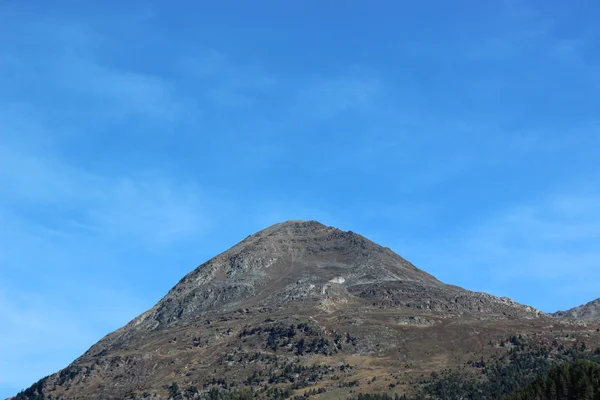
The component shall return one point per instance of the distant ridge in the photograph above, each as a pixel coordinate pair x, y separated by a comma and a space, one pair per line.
588, 311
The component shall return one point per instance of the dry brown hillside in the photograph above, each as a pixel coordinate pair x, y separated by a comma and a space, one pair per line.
301, 307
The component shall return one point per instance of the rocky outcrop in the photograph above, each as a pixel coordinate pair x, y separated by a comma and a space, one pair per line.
589, 311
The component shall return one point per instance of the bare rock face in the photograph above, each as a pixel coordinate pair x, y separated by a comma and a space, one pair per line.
283, 263
298, 260
296, 292
589, 312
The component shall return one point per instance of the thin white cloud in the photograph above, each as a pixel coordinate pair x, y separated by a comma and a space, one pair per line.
226, 82
327, 98
154, 209
47, 336
548, 244
149, 209
77, 70
129, 93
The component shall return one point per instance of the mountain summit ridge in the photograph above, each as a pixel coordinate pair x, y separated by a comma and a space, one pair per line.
291, 261
305, 252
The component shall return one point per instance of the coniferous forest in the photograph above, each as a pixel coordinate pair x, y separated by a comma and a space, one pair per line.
577, 381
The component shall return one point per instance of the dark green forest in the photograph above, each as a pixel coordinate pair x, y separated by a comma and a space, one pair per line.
578, 381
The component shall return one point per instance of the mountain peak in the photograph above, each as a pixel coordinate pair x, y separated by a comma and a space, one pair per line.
298, 222
285, 262
293, 227
295, 281
317, 265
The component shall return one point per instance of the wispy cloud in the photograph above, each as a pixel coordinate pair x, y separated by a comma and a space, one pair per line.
146, 207
90, 85
226, 82
329, 97
127, 93
47, 335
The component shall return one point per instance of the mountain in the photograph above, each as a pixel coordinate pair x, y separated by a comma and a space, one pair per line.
302, 308
589, 311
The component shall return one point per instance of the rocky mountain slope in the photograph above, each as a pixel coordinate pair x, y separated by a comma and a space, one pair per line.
589, 311
299, 308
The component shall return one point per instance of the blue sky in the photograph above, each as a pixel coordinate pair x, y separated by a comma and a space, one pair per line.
141, 138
